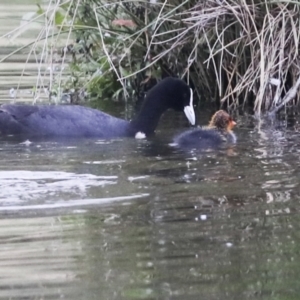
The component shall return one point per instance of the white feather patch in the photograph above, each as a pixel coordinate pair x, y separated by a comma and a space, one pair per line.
140, 135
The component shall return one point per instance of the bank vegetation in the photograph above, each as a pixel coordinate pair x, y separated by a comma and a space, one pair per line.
232, 52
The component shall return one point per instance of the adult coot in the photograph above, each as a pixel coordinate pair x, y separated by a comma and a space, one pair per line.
217, 134
79, 121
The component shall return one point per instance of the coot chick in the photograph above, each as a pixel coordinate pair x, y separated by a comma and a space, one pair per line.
218, 133
78, 121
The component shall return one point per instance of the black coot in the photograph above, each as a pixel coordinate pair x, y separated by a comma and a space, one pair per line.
79, 121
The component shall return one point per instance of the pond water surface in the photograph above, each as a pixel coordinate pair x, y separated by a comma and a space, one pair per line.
130, 219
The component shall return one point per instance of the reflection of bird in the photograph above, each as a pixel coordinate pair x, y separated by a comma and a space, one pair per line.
79, 121
217, 133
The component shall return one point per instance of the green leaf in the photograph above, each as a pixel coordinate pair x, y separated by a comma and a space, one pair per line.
59, 18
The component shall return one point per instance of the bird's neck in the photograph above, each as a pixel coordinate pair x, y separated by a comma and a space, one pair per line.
147, 119
228, 135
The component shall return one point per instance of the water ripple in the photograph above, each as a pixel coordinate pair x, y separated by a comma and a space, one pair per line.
19, 186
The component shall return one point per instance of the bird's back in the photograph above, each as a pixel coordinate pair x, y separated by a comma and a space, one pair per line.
60, 120
200, 138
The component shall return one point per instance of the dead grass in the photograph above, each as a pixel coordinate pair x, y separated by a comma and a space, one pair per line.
233, 51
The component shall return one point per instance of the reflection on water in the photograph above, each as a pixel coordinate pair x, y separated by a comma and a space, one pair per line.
18, 186
129, 219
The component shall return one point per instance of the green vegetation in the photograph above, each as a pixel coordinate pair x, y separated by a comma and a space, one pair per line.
232, 51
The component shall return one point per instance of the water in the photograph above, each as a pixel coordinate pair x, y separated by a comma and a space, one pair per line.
129, 219
134, 219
